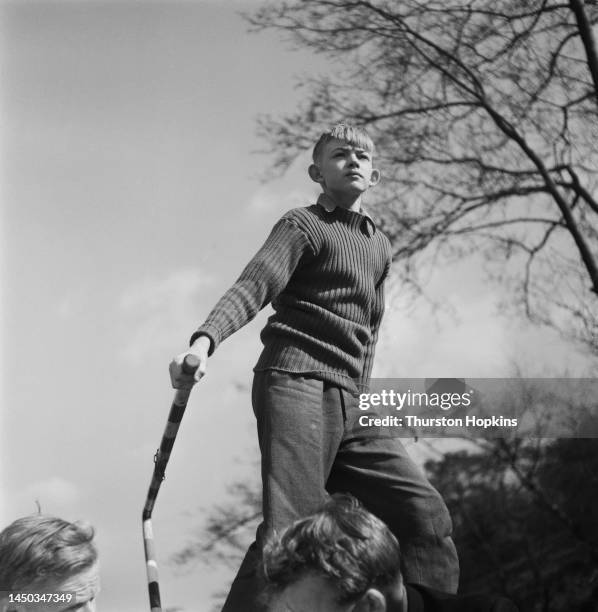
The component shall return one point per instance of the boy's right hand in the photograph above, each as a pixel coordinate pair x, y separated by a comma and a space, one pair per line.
200, 349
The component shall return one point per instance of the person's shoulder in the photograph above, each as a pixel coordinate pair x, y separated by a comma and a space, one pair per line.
303, 213
306, 218
425, 599
384, 241
302, 221
384, 238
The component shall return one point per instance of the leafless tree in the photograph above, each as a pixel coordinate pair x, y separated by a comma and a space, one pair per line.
485, 116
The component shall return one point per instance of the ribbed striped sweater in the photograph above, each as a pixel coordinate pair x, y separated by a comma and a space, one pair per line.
323, 271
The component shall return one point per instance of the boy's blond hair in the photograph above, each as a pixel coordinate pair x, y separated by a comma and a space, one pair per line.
38, 548
351, 134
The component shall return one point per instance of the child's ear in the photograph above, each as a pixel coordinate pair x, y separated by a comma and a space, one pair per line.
371, 601
315, 174
375, 177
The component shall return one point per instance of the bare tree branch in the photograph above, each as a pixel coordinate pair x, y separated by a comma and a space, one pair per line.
587, 37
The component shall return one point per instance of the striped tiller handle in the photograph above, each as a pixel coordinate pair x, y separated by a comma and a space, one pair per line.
177, 410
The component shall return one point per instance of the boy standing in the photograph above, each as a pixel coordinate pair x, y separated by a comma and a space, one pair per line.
323, 269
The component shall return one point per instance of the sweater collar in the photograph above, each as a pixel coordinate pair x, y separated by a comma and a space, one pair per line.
328, 204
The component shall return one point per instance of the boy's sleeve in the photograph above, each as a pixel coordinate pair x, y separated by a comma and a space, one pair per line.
264, 277
377, 312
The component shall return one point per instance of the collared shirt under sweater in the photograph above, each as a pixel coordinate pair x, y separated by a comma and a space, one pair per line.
323, 269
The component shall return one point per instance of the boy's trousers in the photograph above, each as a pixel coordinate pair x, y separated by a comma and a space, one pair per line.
308, 451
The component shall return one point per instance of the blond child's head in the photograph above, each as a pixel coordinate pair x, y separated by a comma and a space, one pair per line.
343, 164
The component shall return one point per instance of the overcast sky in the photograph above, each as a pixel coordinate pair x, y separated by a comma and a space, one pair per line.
131, 199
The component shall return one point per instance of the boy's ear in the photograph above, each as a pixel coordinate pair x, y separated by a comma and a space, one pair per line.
315, 174
375, 177
371, 601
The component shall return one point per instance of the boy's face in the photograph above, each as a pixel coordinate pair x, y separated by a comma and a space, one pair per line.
308, 594
313, 593
344, 169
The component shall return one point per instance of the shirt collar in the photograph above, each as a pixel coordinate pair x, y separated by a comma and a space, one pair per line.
328, 204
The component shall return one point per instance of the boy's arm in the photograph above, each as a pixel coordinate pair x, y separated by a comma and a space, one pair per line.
377, 312
264, 277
